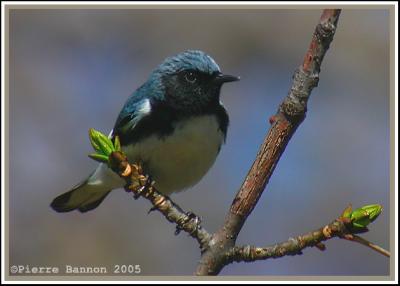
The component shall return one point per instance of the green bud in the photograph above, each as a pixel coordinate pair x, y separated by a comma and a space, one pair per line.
360, 221
373, 211
101, 143
363, 216
105, 144
92, 136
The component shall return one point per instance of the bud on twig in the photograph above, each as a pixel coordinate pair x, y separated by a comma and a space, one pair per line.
362, 217
103, 146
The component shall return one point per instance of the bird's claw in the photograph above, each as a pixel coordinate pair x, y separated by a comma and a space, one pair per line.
189, 216
148, 182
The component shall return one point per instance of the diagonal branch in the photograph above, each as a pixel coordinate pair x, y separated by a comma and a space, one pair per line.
141, 186
291, 113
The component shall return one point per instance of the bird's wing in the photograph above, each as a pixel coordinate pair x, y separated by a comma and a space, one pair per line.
134, 110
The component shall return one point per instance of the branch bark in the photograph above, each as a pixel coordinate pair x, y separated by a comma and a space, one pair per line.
291, 113
294, 246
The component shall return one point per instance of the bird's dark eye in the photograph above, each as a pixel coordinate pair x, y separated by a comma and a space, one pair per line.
190, 77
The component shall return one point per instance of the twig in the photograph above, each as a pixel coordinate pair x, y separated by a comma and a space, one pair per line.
141, 186
369, 244
290, 114
294, 246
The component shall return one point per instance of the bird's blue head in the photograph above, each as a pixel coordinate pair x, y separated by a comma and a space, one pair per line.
190, 81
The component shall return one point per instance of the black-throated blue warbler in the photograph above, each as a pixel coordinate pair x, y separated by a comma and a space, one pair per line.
174, 125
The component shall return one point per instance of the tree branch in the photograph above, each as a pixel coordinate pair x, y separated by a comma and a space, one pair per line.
294, 246
291, 113
141, 186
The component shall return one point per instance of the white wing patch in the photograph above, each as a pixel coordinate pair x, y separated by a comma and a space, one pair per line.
143, 110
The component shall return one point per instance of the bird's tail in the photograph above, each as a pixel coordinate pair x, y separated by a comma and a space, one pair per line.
83, 197
89, 194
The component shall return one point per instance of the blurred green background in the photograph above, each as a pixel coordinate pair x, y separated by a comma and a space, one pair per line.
71, 70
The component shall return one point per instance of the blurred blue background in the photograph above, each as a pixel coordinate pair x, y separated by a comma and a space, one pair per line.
71, 70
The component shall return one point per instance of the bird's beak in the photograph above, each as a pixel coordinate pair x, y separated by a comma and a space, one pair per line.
222, 78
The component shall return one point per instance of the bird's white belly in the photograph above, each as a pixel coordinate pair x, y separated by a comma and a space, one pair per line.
181, 159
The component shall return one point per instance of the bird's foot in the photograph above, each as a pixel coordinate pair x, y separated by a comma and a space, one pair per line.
145, 183
189, 216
